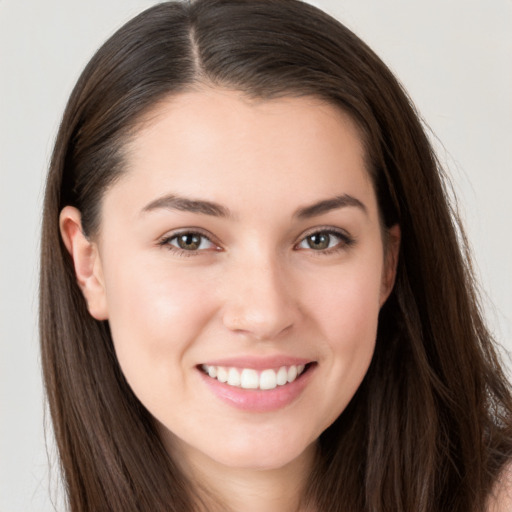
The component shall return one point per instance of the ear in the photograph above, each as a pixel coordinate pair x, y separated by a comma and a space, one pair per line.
86, 261
391, 249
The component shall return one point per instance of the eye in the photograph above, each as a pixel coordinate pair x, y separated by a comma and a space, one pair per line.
188, 241
325, 240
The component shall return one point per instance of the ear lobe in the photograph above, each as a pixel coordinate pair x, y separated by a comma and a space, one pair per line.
392, 249
86, 261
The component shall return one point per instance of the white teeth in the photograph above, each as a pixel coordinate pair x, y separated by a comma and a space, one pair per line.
233, 377
292, 373
282, 376
222, 374
248, 378
268, 379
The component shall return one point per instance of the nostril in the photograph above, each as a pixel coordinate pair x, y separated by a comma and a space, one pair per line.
258, 323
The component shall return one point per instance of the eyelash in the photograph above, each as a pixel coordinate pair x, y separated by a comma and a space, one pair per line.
166, 242
345, 242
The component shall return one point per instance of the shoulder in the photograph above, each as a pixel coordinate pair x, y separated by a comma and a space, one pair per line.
501, 497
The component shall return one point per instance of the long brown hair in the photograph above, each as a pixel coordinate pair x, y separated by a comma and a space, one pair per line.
430, 427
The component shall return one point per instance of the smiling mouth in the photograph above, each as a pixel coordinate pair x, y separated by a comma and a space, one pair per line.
249, 378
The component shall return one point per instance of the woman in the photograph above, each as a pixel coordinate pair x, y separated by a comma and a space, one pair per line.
258, 301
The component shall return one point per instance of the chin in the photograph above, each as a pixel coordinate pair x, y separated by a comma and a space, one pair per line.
261, 456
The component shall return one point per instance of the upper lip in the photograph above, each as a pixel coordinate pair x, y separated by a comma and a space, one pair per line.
258, 363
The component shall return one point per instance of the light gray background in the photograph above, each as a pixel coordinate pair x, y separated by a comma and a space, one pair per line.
453, 56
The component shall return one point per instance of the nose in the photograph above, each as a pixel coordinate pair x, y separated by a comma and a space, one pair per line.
259, 301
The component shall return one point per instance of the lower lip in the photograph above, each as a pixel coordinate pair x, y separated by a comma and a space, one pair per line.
257, 400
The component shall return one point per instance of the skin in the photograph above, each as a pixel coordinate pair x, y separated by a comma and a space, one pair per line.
256, 289
501, 497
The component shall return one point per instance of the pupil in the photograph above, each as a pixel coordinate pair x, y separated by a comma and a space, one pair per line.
189, 241
319, 241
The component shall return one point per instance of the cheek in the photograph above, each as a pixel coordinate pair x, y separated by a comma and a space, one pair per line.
154, 311
346, 302
345, 309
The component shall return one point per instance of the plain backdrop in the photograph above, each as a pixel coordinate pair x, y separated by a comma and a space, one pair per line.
453, 56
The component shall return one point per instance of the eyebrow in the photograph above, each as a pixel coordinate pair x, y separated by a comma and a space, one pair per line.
173, 202
327, 205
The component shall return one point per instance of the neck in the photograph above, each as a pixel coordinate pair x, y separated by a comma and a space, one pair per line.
252, 490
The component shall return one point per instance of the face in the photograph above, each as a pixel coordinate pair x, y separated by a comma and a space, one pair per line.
240, 264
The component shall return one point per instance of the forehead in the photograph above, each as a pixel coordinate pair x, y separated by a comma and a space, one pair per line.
219, 145
196, 115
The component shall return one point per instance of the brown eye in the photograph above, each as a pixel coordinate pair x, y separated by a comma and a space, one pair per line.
319, 241
326, 241
189, 241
